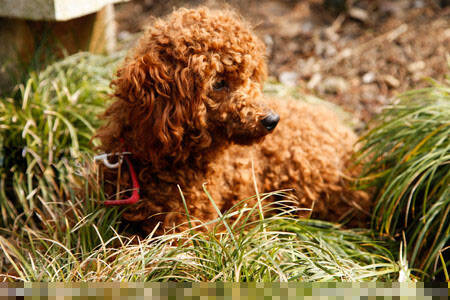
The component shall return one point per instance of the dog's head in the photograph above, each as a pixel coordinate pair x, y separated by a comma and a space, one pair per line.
194, 81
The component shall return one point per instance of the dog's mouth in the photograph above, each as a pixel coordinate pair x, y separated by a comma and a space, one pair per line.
243, 127
256, 133
246, 140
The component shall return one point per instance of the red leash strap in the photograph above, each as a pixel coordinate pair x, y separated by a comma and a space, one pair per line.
135, 195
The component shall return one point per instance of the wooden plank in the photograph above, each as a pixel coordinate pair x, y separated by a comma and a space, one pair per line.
51, 10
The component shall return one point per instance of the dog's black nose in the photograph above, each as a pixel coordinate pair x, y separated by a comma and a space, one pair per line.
270, 121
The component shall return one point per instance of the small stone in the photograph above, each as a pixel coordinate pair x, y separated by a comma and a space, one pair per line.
124, 36
447, 33
416, 66
291, 29
369, 77
346, 53
289, 78
268, 40
334, 85
419, 4
359, 14
314, 81
307, 67
330, 51
331, 35
307, 27
391, 81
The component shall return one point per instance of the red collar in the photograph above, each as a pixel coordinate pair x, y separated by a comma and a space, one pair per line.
135, 195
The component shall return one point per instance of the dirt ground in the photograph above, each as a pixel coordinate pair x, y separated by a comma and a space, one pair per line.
356, 53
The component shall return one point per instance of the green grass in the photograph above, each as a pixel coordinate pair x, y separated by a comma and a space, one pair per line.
407, 162
53, 226
47, 125
45, 130
279, 248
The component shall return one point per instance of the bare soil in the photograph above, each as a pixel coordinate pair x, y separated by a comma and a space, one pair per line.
359, 56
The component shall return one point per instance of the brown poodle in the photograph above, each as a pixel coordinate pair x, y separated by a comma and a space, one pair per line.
189, 107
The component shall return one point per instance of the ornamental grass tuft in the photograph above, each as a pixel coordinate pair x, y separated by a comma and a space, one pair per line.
45, 129
406, 158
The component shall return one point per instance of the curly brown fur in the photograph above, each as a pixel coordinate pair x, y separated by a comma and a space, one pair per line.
189, 106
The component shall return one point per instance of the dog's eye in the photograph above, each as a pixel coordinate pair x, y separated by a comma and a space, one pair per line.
219, 85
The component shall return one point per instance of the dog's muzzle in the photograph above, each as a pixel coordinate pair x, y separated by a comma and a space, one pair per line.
270, 121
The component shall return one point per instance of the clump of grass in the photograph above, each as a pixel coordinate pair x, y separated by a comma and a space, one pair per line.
44, 129
41, 240
407, 161
276, 248
52, 228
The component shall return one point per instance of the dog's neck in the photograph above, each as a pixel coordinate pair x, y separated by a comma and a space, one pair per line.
191, 171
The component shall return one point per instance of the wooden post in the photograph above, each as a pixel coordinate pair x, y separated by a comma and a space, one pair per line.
55, 27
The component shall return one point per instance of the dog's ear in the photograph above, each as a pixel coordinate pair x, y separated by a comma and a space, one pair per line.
141, 80
161, 106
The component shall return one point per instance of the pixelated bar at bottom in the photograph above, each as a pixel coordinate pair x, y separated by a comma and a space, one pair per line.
230, 291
